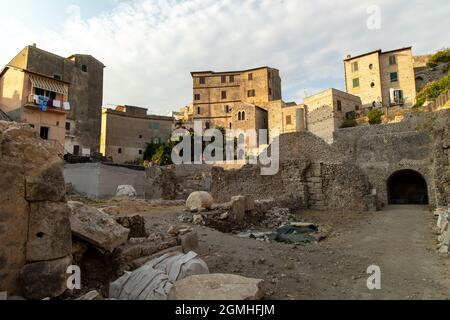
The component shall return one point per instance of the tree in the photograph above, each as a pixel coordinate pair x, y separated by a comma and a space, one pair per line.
375, 116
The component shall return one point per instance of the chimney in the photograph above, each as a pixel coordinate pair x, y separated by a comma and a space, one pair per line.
34, 45
349, 56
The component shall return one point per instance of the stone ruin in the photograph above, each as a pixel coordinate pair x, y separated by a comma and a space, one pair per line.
34, 218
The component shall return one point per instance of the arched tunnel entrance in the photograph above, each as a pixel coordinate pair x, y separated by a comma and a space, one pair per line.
407, 187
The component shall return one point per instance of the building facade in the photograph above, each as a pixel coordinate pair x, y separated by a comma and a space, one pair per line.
38, 100
80, 76
127, 130
216, 94
327, 110
285, 118
382, 79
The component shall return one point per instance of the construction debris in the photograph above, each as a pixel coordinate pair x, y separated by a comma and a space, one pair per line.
223, 287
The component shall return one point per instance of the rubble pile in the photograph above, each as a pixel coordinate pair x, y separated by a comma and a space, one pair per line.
106, 247
443, 230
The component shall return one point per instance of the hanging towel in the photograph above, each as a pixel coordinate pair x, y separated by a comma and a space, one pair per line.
56, 104
66, 105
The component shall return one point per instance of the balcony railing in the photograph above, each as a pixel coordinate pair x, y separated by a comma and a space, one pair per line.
50, 104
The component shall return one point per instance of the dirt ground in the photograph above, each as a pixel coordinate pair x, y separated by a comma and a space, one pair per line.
400, 240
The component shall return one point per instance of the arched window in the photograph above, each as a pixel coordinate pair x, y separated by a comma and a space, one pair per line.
239, 116
243, 115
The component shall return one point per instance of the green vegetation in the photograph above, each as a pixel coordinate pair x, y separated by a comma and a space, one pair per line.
441, 56
432, 90
375, 116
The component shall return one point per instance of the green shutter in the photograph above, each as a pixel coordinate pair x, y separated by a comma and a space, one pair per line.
394, 76
356, 83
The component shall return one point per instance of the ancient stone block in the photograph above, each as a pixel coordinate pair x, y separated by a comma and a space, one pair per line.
136, 224
199, 201
96, 227
46, 279
238, 206
189, 241
46, 183
49, 234
224, 287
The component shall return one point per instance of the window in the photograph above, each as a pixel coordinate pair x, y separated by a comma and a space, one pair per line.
224, 79
202, 80
231, 126
57, 123
392, 60
339, 105
140, 136
140, 152
207, 125
355, 66
239, 116
84, 68
32, 126
49, 94
199, 110
45, 133
231, 79
288, 120
394, 76
227, 109
250, 76
119, 151
251, 93
197, 97
76, 150
224, 95
67, 126
243, 116
372, 85
370, 66
356, 108
356, 83
57, 77
157, 141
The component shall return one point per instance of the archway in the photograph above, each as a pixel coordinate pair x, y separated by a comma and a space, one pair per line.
407, 187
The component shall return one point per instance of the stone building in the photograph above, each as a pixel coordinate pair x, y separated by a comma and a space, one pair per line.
22, 95
216, 94
76, 82
382, 79
285, 118
327, 110
127, 130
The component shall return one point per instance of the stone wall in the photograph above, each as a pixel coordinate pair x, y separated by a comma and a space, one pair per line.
419, 143
35, 235
176, 182
312, 175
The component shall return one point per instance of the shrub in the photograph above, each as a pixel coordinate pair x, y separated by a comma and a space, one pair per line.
441, 56
375, 116
433, 90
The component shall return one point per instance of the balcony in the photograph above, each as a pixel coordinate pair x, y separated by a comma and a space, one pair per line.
45, 104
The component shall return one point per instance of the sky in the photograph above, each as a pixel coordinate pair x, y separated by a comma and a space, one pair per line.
150, 47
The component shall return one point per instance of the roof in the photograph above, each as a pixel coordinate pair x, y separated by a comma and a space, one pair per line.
377, 51
229, 72
131, 115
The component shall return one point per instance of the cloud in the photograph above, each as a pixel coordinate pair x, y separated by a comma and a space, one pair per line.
150, 47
